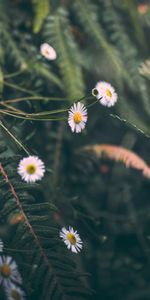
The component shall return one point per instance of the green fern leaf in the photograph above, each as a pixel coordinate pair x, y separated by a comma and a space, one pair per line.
57, 32
41, 10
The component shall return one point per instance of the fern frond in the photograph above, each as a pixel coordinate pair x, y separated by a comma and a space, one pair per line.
41, 10
117, 33
1, 72
87, 13
42, 70
47, 264
120, 154
57, 32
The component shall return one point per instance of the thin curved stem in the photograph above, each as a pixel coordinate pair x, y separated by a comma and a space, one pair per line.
14, 138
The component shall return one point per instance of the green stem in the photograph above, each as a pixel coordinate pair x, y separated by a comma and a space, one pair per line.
14, 86
14, 138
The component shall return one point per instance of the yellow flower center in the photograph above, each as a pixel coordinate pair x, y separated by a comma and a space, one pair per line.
108, 93
71, 238
5, 270
15, 295
31, 169
77, 117
46, 52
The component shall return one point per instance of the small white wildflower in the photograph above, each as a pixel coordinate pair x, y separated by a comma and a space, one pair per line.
105, 93
72, 239
144, 68
77, 117
31, 169
9, 270
48, 51
1, 245
14, 292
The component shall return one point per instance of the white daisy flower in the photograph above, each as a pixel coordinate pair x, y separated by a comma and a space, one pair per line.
48, 51
9, 270
1, 245
14, 292
77, 117
31, 169
105, 93
72, 239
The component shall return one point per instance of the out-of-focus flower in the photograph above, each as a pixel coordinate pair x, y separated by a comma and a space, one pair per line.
142, 8
105, 93
77, 117
16, 218
144, 68
14, 292
23, 67
31, 169
9, 270
72, 239
48, 51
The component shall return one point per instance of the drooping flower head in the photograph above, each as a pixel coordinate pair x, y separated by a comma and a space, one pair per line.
72, 239
77, 117
105, 93
9, 270
14, 292
1, 245
48, 51
31, 169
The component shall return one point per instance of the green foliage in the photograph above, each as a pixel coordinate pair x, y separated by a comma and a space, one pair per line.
41, 10
95, 40
88, 17
57, 32
44, 258
117, 33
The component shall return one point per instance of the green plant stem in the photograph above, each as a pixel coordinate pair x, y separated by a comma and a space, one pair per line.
14, 138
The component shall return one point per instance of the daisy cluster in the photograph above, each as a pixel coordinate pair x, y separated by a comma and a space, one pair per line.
32, 169
78, 116
10, 277
103, 91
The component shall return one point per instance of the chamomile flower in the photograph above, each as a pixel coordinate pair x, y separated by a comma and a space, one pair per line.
9, 270
77, 117
105, 93
72, 239
31, 169
14, 292
1, 245
48, 51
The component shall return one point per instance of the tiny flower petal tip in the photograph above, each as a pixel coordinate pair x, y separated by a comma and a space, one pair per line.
31, 169
48, 51
105, 93
72, 239
77, 117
